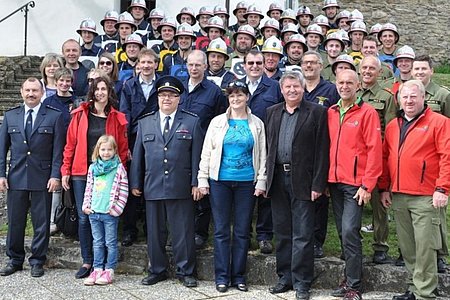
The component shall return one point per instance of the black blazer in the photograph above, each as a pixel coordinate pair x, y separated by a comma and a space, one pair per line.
310, 148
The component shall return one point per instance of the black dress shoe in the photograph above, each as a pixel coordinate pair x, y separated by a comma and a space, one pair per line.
441, 265
280, 288
83, 272
406, 296
37, 270
302, 295
188, 281
242, 287
221, 288
399, 262
381, 258
152, 279
318, 252
10, 269
265, 247
341, 290
128, 240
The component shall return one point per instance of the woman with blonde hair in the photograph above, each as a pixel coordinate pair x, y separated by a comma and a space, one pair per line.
49, 65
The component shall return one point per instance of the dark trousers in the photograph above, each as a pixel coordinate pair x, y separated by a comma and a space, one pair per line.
348, 214
321, 220
178, 215
39, 204
293, 221
84, 225
264, 225
202, 217
231, 202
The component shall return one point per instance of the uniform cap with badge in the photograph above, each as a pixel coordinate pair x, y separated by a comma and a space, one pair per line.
88, 25
290, 15
240, 5
138, 3
296, 38
272, 45
314, 29
343, 58
185, 29
321, 20
215, 22
245, 29
167, 21
205, 11
254, 10
110, 15
220, 10
330, 3
133, 38
125, 18
274, 6
358, 26
169, 83
186, 11
304, 10
218, 45
271, 23
156, 13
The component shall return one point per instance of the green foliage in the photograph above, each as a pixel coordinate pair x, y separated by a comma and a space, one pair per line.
443, 68
442, 79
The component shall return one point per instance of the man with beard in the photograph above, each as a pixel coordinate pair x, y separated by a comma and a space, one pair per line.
383, 101
334, 46
132, 46
294, 48
175, 64
71, 51
244, 39
217, 56
238, 12
331, 7
264, 92
272, 51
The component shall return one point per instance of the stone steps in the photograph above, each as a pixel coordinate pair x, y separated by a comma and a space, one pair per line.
65, 253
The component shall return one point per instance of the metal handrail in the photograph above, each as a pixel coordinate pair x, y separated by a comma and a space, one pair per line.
24, 8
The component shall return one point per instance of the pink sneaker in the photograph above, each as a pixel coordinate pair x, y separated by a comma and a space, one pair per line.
106, 277
93, 277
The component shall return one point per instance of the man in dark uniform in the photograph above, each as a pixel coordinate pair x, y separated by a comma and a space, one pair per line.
108, 40
164, 170
71, 51
34, 133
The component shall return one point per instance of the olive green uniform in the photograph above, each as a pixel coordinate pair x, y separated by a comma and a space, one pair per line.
326, 72
438, 99
383, 101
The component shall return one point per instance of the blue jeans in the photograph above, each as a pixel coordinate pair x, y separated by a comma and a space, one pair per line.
104, 232
348, 216
230, 257
84, 226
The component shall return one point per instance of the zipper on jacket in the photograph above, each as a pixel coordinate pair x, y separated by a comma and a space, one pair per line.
424, 165
355, 168
336, 154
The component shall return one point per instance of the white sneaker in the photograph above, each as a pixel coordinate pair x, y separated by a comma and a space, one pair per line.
367, 228
93, 277
53, 228
106, 277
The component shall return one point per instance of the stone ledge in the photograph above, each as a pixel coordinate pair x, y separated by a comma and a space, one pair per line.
65, 253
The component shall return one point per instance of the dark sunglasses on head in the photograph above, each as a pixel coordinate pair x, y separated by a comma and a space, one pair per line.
108, 63
237, 84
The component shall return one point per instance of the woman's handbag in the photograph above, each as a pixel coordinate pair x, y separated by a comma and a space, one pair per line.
66, 216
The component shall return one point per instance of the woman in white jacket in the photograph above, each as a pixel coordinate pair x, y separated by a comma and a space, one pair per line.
233, 172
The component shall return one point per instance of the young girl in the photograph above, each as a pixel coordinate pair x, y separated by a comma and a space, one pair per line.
104, 200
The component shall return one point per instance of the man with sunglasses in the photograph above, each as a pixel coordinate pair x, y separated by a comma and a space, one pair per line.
264, 92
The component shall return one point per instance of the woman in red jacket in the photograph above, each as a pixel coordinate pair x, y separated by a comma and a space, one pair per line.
90, 121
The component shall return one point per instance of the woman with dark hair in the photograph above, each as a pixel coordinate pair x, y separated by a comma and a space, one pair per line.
233, 171
91, 120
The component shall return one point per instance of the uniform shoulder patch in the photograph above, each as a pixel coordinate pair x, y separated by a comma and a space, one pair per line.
52, 108
189, 113
147, 114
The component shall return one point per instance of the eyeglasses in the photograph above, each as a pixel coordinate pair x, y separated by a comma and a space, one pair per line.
107, 62
237, 84
168, 95
310, 62
250, 63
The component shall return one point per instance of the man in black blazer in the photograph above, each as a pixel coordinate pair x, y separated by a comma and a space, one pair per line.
164, 170
297, 170
34, 133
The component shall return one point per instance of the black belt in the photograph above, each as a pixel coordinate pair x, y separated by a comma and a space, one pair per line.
284, 167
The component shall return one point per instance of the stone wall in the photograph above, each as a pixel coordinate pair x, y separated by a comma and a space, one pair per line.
423, 25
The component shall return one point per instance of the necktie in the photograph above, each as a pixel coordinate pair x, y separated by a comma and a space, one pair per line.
29, 125
166, 128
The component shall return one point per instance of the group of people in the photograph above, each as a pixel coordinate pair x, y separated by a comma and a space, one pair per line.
282, 117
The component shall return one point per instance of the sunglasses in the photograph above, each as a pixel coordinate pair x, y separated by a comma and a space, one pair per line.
237, 84
108, 63
254, 63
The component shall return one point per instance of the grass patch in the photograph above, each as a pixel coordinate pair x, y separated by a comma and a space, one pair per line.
443, 68
442, 79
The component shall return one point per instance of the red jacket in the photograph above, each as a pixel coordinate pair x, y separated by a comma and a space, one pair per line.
355, 146
422, 163
75, 161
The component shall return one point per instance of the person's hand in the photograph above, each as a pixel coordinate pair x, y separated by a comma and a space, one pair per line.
129, 156
136, 192
259, 192
362, 196
439, 199
385, 198
65, 182
53, 184
196, 194
315, 195
3, 184
88, 211
204, 190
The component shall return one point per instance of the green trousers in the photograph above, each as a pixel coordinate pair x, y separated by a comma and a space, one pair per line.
443, 252
419, 238
380, 222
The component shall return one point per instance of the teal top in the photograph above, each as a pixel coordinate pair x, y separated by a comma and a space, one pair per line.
101, 191
237, 153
